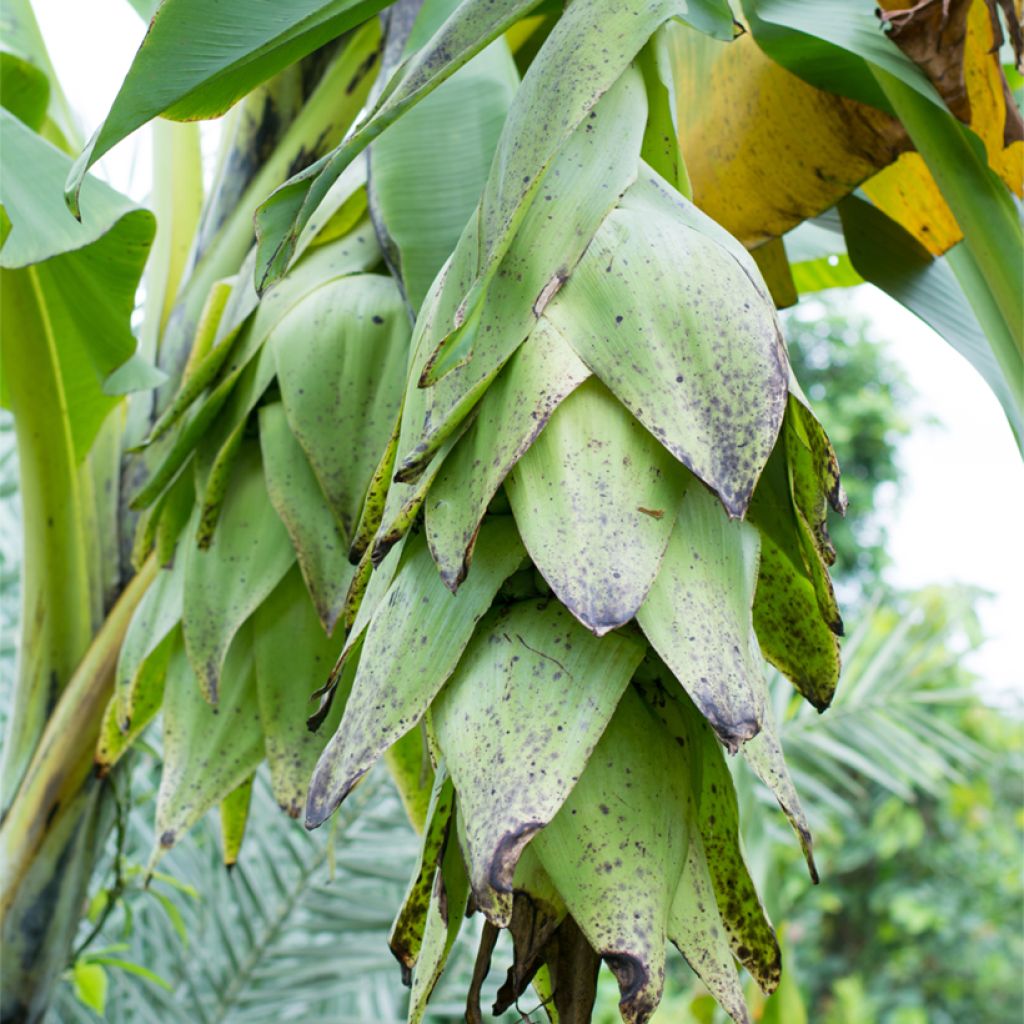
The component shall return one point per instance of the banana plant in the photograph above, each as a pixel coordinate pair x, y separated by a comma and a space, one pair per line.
460, 432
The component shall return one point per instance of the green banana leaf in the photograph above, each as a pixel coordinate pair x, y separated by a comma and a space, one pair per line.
208, 751
340, 357
320, 547
589, 174
28, 82
750, 933
226, 583
696, 928
585, 61
234, 816
158, 613
695, 355
616, 850
514, 410
450, 139
282, 217
406, 936
938, 290
516, 725
292, 655
698, 615
414, 641
831, 44
244, 44
595, 498
76, 281
445, 913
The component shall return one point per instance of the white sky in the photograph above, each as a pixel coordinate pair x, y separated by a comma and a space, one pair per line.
958, 515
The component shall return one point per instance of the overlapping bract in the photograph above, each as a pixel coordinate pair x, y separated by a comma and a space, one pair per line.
575, 723
584, 497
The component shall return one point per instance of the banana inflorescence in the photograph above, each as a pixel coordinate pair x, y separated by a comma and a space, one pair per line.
546, 536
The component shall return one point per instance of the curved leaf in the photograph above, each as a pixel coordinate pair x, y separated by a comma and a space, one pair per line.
933, 289
445, 914
234, 816
81, 276
227, 582
471, 27
513, 411
684, 336
595, 498
406, 936
157, 614
793, 633
750, 933
243, 44
698, 615
296, 496
208, 751
293, 656
695, 927
128, 713
831, 45
516, 724
587, 51
450, 139
413, 643
340, 357
616, 850
764, 755
589, 174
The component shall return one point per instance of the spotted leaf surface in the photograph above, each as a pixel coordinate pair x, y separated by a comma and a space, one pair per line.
450, 139
810, 475
616, 850
448, 900
676, 328
294, 492
595, 499
764, 755
158, 613
698, 615
586, 53
412, 645
696, 928
516, 725
341, 357
293, 656
129, 712
750, 933
512, 413
471, 27
406, 938
791, 631
208, 751
227, 582
590, 173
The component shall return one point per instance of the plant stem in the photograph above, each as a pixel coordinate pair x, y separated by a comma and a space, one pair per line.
64, 756
57, 824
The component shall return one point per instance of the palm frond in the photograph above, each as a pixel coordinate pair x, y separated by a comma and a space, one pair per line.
296, 931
